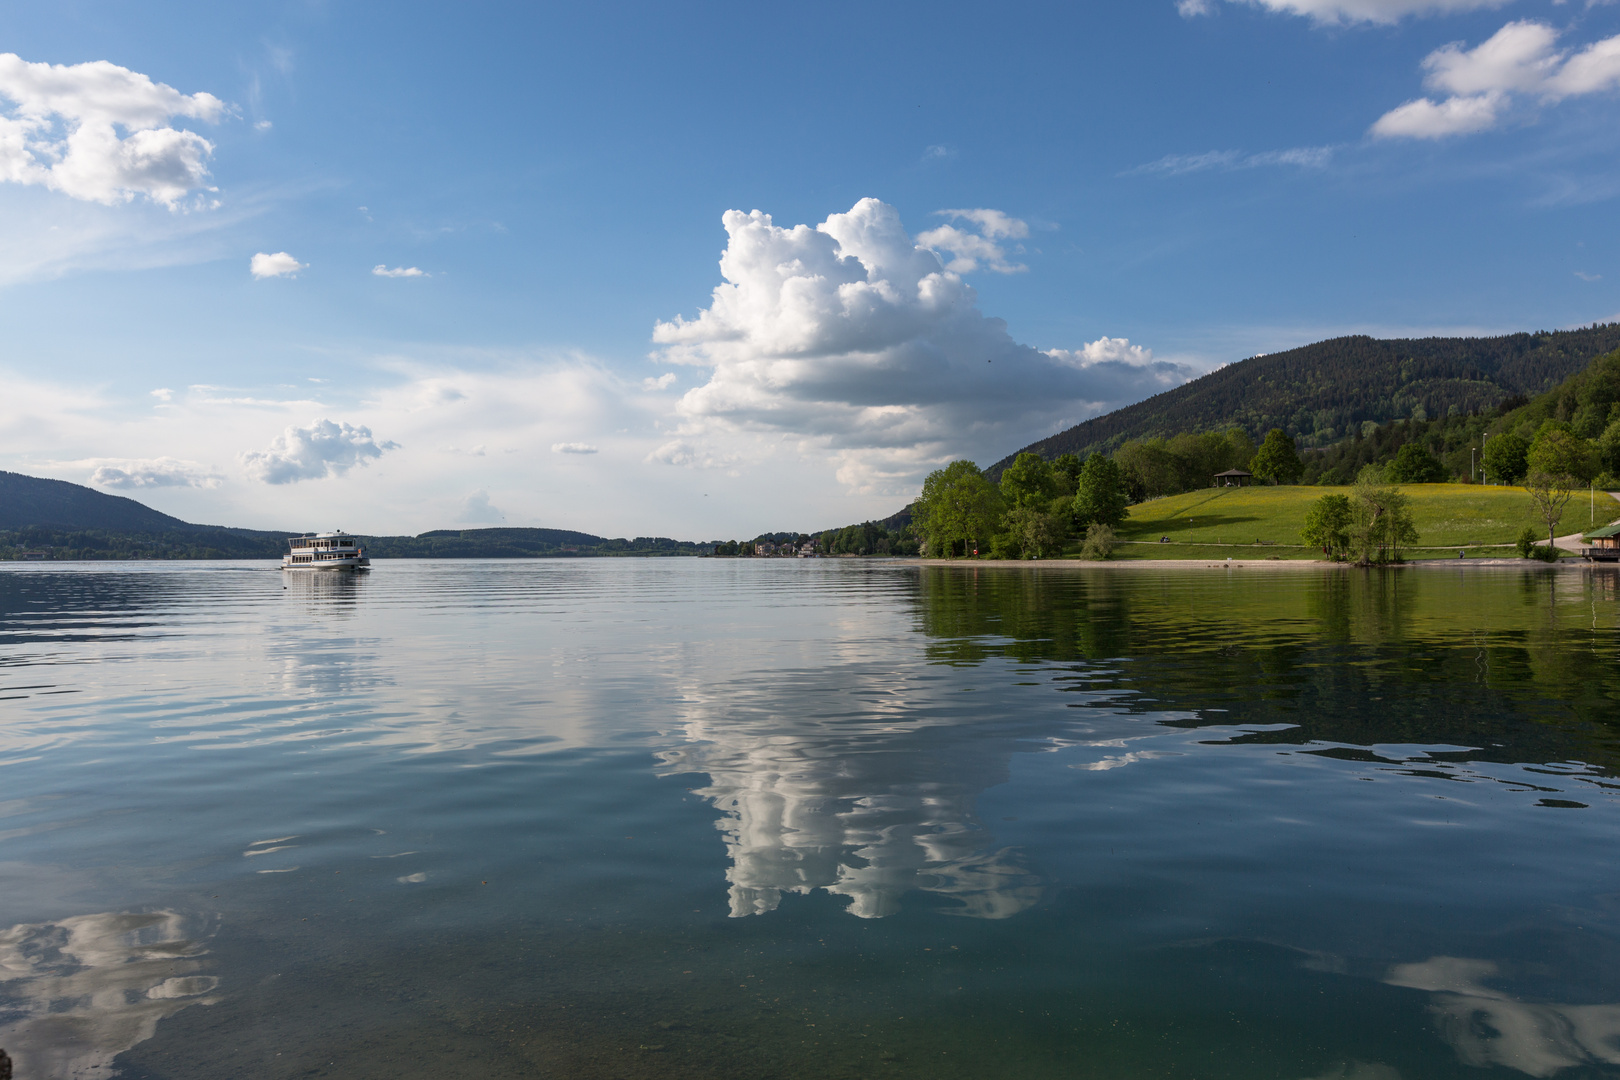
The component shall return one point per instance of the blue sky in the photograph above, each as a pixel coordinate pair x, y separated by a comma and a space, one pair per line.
1028, 215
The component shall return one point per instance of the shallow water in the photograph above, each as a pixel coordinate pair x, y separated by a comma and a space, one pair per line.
681, 818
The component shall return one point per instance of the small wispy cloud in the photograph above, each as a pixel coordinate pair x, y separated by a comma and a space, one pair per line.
573, 448
381, 270
1300, 157
938, 153
662, 382
1584, 276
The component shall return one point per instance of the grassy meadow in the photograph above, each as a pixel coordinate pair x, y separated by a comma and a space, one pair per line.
1200, 524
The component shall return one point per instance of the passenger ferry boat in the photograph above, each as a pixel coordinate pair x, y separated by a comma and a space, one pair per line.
325, 551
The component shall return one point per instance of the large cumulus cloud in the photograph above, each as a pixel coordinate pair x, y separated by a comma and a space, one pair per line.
855, 339
324, 448
101, 132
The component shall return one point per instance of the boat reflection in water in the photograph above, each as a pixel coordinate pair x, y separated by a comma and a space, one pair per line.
76, 993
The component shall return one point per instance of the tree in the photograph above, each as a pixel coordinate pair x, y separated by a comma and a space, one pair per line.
1277, 460
1100, 499
1550, 492
1327, 525
1099, 543
1381, 521
1414, 464
1066, 471
1608, 449
1028, 482
1558, 451
1505, 458
1035, 533
957, 506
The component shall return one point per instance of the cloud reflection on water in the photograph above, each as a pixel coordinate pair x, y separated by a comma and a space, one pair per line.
1487, 1027
77, 992
868, 803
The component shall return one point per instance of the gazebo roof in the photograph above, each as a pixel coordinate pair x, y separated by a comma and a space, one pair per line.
1235, 472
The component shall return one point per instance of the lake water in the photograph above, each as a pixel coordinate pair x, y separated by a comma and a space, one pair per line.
682, 818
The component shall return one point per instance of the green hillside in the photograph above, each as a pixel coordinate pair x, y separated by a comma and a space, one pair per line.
1249, 521
1323, 392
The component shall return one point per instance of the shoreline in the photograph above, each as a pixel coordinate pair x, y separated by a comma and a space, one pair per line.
1252, 564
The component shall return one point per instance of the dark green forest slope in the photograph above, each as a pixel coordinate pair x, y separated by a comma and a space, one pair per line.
1325, 392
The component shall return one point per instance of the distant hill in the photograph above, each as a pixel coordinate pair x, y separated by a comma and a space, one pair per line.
32, 500
1322, 393
70, 521
513, 543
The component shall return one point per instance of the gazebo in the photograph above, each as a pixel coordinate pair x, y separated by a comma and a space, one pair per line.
1605, 545
1234, 478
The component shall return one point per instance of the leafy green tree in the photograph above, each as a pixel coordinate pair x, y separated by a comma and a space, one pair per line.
1506, 458
1558, 451
1414, 464
1029, 482
1526, 544
1327, 525
958, 508
1036, 534
1101, 499
1381, 521
1099, 542
1608, 449
1277, 460
1066, 471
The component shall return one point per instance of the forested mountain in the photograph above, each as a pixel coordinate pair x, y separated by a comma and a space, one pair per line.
1325, 392
31, 500
69, 521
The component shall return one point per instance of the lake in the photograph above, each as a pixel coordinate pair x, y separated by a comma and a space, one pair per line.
820, 818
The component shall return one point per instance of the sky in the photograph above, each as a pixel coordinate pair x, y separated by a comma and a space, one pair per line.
705, 271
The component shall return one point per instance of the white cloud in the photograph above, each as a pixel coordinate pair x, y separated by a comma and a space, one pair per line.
324, 448
280, 264
1103, 351
476, 510
1584, 276
62, 128
399, 271
1425, 119
152, 473
1335, 12
1522, 58
969, 249
853, 340
662, 382
573, 448
1304, 157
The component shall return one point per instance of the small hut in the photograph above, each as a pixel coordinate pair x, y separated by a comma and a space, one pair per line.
1234, 478
1605, 545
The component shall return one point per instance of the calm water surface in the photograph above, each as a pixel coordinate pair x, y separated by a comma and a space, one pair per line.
685, 818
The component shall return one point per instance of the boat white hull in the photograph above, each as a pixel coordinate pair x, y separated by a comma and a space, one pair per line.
361, 563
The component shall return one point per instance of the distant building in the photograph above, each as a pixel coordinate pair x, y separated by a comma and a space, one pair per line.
1234, 478
35, 555
1605, 545
765, 547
